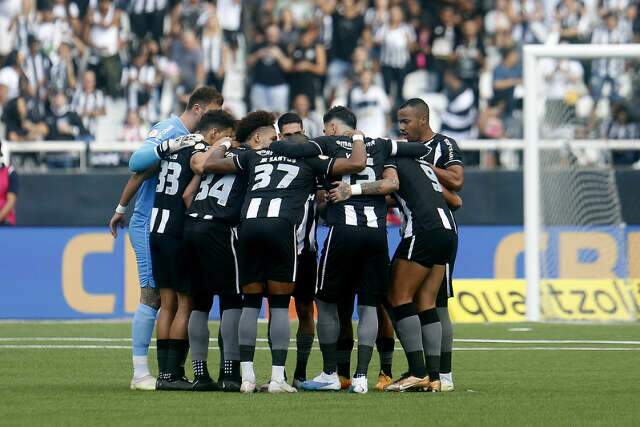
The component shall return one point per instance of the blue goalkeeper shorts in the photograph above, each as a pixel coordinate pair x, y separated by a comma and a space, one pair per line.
139, 236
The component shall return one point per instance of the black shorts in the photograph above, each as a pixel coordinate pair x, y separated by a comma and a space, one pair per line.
446, 289
168, 262
354, 259
305, 288
267, 250
435, 247
211, 258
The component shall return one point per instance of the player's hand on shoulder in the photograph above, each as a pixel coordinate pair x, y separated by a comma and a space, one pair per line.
340, 192
355, 132
226, 141
171, 146
117, 220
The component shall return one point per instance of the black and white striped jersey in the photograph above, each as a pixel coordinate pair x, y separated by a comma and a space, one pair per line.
167, 215
279, 186
420, 198
306, 232
443, 152
220, 196
363, 210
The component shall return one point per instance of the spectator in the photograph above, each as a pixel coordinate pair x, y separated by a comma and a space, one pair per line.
51, 30
445, 38
12, 76
371, 106
564, 85
396, 40
289, 33
470, 55
230, 17
215, 52
37, 68
188, 55
64, 124
8, 193
88, 102
312, 124
608, 72
140, 80
301, 11
506, 76
324, 18
378, 15
270, 90
528, 20
191, 14
133, 130
22, 124
571, 20
63, 69
147, 18
459, 120
309, 66
622, 126
347, 27
102, 34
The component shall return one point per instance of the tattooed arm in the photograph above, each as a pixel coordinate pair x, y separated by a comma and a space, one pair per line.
387, 185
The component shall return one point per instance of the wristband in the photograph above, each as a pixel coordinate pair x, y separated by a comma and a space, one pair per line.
356, 190
121, 209
226, 145
357, 137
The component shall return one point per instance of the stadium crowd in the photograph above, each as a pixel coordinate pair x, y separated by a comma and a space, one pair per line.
78, 69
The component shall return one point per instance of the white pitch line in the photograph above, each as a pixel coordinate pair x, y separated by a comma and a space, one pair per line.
124, 347
460, 340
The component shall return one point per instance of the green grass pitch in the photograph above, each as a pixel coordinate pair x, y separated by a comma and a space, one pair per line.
553, 374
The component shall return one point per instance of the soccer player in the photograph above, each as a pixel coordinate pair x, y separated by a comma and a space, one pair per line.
210, 247
278, 188
446, 160
290, 124
357, 237
202, 100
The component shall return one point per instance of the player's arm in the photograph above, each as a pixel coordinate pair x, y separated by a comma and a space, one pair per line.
218, 163
454, 201
354, 164
452, 177
296, 148
387, 185
199, 158
151, 153
190, 191
405, 149
129, 191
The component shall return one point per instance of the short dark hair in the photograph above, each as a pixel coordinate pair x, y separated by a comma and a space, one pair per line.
252, 122
417, 104
288, 118
343, 114
218, 119
205, 95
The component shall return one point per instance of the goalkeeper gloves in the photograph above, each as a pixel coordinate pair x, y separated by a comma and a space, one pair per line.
171, 146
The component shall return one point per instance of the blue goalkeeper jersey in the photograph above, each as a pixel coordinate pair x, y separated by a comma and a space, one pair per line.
163, 130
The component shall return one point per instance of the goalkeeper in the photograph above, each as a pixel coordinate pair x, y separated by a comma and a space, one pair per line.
162, 138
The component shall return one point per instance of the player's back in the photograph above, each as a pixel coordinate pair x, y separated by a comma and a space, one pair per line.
220, 196
163, 130
278, 186
168, 212
362, 210
420, 198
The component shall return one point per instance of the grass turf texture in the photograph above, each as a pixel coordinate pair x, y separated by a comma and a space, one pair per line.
498, 386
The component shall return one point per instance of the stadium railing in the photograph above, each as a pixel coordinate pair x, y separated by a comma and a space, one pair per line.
83, 149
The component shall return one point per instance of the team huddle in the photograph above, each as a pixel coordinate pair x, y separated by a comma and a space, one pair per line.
230, 208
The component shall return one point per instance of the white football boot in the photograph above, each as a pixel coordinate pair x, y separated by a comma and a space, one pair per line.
146, 383
446, 382
280, 387
323, 382
359, 385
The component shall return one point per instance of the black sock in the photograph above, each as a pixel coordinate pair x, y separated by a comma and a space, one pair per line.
304, 342
385, 348
200, 368
162, 348
445, 362
364, 358
344, 348
177, 355
221, 347
328, 357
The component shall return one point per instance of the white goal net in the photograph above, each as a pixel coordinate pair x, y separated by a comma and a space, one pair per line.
581, 258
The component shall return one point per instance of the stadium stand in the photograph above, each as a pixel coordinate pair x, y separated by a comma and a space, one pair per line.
120, 66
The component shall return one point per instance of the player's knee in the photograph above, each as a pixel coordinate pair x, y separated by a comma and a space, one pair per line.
279, 301
150, 296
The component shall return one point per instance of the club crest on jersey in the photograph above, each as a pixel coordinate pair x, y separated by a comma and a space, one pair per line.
153, 133
199, 146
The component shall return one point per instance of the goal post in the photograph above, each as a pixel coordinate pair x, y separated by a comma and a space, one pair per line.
535, 143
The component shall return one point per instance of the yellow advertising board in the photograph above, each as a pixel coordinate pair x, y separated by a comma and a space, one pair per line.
504, 300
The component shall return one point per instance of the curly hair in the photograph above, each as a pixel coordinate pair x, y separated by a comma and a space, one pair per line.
252, 122
218, 119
